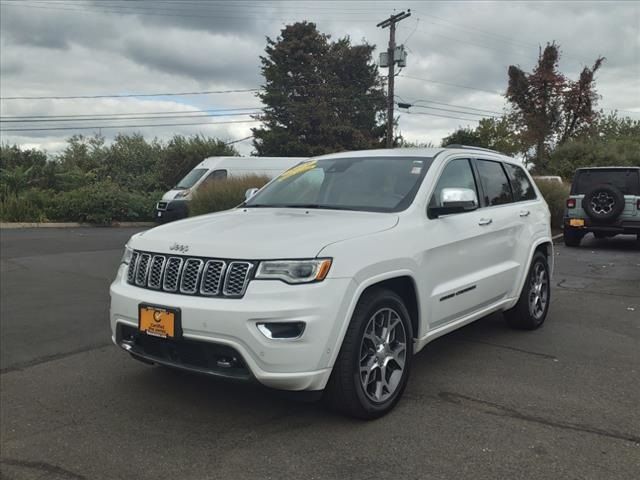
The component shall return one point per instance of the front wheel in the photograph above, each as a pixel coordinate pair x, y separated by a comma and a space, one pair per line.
533, 305
373, 365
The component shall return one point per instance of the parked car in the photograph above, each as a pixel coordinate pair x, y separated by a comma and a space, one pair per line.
335, 273
174, 204
604, 201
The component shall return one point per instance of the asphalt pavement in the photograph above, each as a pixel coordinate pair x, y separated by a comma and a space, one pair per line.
484, 402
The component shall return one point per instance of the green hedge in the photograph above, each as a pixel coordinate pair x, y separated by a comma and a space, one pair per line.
223, 195
100, 203
556, 195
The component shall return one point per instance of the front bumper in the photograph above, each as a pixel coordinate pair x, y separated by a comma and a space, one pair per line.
173, 210
300, 364
620, 226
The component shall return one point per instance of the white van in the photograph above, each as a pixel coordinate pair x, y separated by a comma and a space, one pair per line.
174, 203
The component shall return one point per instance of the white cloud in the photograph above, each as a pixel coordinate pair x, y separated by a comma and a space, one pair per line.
48, 49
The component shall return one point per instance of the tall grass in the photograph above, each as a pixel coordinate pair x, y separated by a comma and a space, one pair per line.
555, 194
224, 194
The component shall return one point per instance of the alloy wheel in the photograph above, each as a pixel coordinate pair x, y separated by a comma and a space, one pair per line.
383, 351
538, 291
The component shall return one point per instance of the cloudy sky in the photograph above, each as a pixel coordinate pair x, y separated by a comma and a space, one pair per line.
133, 54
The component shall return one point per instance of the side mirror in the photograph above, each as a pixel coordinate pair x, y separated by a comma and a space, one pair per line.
250, 193
454, 200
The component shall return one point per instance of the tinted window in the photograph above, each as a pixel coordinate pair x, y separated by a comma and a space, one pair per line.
191, 178
625, 180
363, 183
520, 184
214, 176
495, 183
457, 174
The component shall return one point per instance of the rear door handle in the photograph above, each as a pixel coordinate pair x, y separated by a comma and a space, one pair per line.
524, 213
485, 221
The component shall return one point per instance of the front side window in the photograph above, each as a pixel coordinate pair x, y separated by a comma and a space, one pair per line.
190, 178
214, 176
495, 184
377, 184
520, 183
457, 174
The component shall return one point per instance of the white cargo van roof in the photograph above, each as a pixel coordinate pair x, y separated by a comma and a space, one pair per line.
250, 163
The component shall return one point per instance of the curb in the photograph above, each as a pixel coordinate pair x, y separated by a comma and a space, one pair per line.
13, 225
556, 237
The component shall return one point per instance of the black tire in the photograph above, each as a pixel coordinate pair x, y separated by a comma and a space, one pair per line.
603, 203
344, 391
601, 235
522, 315
571, 237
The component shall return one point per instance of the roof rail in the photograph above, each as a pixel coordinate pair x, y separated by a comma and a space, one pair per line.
470, 147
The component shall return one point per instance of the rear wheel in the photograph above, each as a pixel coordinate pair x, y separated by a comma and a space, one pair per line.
531, 310
572, 237
372, 368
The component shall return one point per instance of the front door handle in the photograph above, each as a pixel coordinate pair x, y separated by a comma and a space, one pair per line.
524, 213
485, 221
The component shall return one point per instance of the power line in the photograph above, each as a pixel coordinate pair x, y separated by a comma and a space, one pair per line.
443, 116
129, 95
97, 127
166, 112
240, 140
111, 119
485, 115
451, 84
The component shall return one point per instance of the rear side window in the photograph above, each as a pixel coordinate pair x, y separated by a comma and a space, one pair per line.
495, 184
520, 183
626, 181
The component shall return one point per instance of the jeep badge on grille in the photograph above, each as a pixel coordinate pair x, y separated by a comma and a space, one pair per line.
179, 247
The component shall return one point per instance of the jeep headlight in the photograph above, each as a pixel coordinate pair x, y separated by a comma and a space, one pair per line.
294, 271
126, 256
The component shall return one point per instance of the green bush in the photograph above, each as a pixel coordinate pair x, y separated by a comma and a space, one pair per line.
101, 203
225, 194
555, 194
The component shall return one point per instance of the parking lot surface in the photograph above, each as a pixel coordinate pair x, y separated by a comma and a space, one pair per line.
484, 402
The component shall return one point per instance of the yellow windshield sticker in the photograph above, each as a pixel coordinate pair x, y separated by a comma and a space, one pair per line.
297, 170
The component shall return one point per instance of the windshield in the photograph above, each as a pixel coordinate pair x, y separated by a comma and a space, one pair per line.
378, 184
191, 178
625, 180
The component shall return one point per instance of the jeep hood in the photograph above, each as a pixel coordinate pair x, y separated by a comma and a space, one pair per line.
262, 233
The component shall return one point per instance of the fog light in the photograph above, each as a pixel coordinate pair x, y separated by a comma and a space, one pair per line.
282, 330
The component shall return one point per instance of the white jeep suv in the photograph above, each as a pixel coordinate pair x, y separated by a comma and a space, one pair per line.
335, 273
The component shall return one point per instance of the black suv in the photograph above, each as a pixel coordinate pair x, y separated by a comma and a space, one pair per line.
603, 200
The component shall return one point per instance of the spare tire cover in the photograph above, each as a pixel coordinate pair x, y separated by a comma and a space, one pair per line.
603, 203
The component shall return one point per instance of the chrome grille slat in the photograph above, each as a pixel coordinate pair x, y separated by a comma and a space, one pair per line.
209, 277
172, 274
142, 269
133, 264
155, 272
190, 276
212, 276
236, 279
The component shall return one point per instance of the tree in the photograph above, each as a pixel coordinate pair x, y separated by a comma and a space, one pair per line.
610, 140
493, 133
549, 108
319, 96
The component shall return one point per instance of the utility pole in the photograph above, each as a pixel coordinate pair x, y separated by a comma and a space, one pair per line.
391, 23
